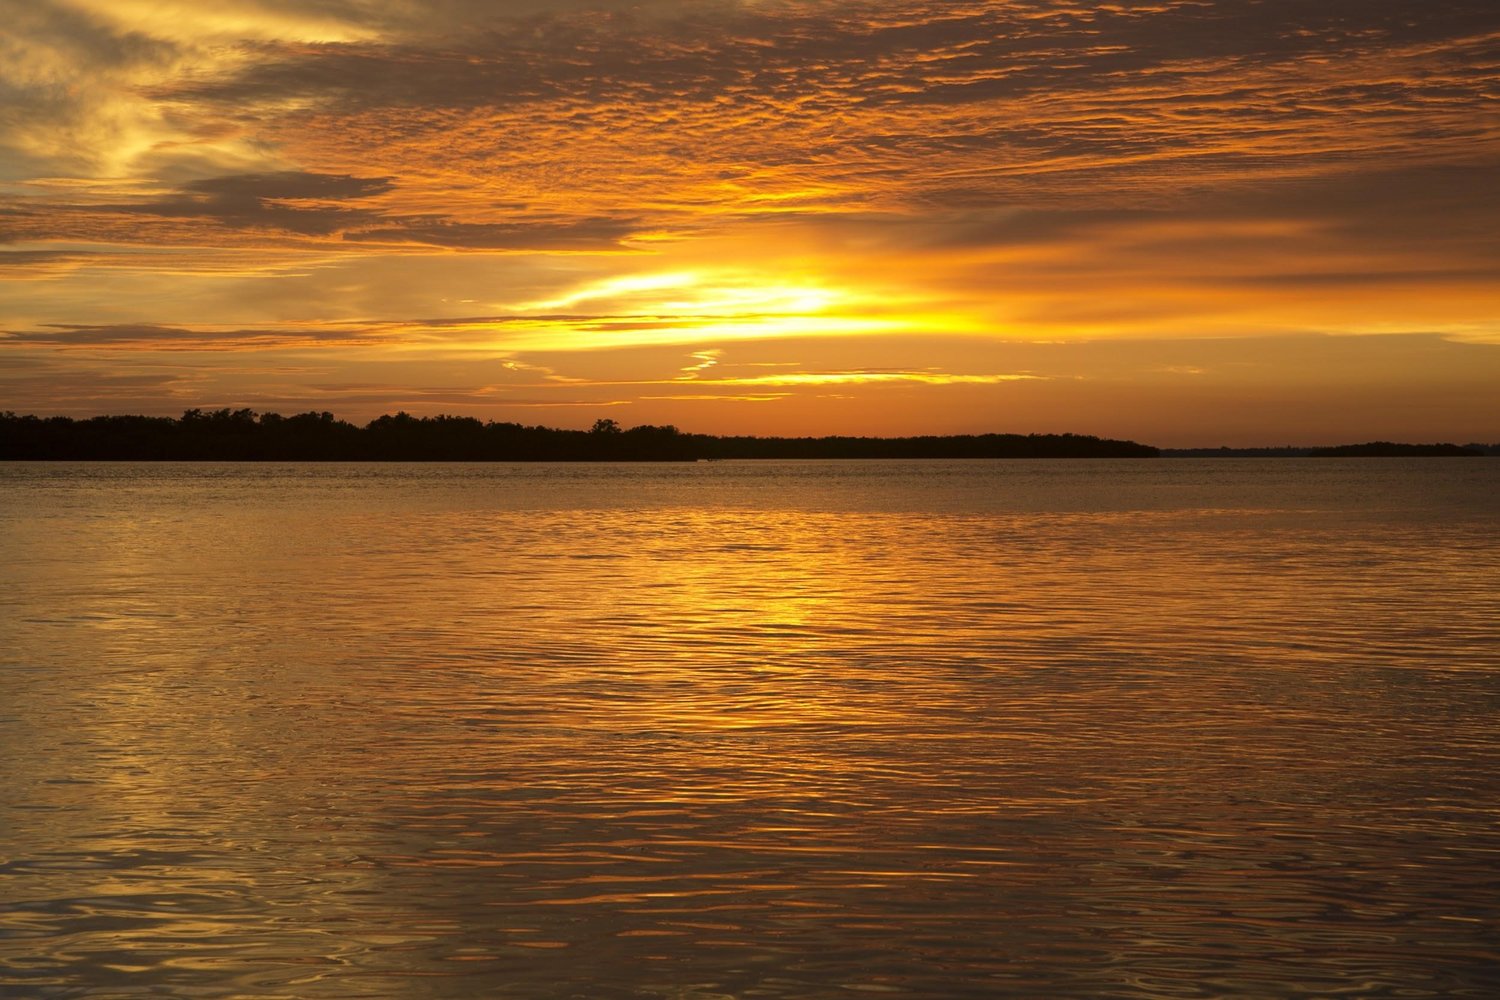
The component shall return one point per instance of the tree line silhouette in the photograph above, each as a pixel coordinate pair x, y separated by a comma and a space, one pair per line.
1390, 449
1370, 449
244, 435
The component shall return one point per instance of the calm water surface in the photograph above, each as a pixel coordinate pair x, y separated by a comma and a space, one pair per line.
1163, 728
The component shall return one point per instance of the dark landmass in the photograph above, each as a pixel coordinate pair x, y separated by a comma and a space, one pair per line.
1287, 451
244, 435
1388, 449
1372, 449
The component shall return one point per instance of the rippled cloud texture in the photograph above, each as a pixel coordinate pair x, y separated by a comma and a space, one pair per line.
1217, 221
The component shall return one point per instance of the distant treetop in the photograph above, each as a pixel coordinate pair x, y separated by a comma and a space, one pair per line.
244, 435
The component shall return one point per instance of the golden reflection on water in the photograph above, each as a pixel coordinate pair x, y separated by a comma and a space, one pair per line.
979, 729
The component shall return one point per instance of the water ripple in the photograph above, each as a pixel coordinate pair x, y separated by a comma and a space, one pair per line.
779, 730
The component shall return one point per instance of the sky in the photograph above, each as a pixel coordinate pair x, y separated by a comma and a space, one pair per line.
1185, 222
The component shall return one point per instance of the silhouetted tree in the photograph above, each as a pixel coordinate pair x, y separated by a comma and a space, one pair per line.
242, 434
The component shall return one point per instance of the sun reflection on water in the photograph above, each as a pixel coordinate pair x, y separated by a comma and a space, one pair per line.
749, 730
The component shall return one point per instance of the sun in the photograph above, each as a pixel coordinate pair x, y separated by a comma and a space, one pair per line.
692, 305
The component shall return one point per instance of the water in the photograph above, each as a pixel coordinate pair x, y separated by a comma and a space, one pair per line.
1164, 728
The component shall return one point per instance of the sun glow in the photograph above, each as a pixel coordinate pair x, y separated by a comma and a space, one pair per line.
698, 292
684, 306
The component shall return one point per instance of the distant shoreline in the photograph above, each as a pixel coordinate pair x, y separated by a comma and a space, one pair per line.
246, 436
243, 435
1371, 449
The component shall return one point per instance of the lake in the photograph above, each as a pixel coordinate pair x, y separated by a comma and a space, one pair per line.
1151, 728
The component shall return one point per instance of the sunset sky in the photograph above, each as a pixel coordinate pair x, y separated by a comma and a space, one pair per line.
1187, 222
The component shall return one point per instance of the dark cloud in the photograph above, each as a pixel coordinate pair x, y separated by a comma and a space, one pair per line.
1417, 204
40, 258
866, 54
288, 184
268, 201
585, 234
1439, 218
161, 337
18, 362
309, 204
1437, 278
47, 387
389, 398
